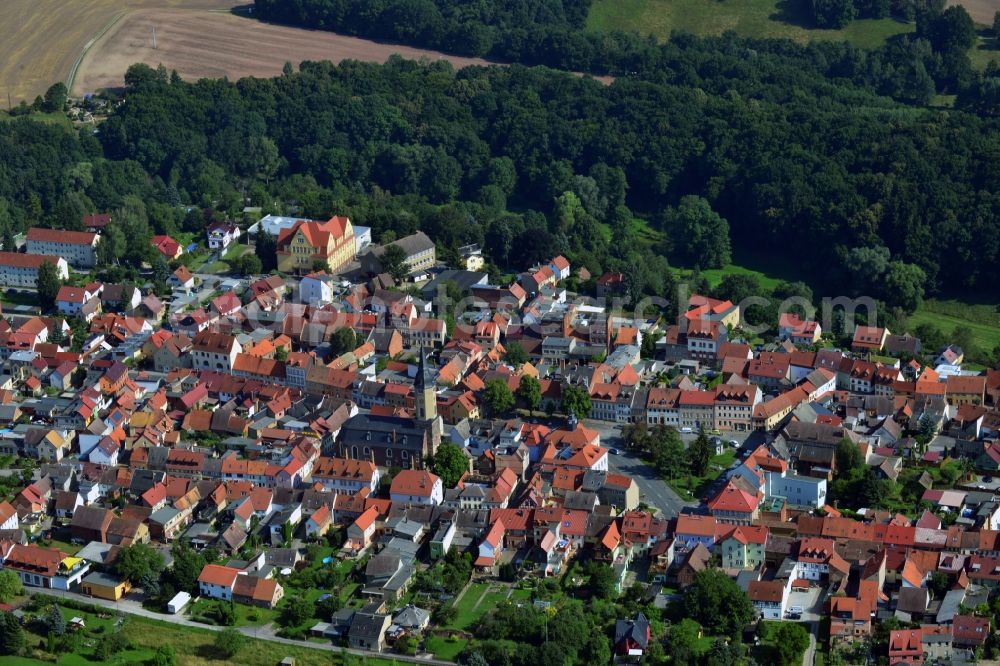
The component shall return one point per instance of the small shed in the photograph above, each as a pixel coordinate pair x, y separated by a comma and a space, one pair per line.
177, 604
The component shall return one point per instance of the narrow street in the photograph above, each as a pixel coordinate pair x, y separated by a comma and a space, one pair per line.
653, 490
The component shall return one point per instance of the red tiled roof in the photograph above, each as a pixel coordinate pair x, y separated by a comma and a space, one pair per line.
60, 236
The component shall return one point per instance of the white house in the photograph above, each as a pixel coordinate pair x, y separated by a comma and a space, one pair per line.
491, 546
769, 598
222, 234
413, 486
105, 453
798, 491
217, 581
8, 516
317, 288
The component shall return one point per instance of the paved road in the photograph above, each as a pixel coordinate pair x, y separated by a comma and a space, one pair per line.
265, 633
653, 490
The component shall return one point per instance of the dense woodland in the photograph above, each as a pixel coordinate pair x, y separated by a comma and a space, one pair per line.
798, 167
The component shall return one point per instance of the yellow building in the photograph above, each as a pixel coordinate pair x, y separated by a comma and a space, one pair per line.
104, 586
309, 242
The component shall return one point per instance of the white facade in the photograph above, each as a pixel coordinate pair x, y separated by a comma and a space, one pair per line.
77, 254
18, 272
316, 290
435, 497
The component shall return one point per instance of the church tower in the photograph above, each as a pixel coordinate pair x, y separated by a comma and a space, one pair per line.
423, 391
426, 399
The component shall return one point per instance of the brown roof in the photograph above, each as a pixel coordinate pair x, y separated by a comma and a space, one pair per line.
60, 236
19, 260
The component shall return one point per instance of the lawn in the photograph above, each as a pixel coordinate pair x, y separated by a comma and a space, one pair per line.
194, 647
695, 486
443, 647
750, 18
466, 615
57, 118
478, 600
982, 318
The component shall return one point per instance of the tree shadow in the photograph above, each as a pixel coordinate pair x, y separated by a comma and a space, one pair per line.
793, 12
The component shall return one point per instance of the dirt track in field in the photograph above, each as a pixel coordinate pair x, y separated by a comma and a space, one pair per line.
43, 39
203, 44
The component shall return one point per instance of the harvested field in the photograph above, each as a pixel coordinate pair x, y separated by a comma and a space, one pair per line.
200, 44
43, 39
981, 11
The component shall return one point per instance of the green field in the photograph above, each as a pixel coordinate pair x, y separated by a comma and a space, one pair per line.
750, 18
983, 319
194, 647
715, 275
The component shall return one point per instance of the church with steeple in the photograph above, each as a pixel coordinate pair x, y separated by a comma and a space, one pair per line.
395, 441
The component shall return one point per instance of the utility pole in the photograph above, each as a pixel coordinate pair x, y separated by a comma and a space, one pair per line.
154, 37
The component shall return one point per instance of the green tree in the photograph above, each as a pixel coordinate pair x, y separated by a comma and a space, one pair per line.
165, 656
54, 620
951, 31
48, 284
342, 340
833, 14
55, 97
529, 390
576, 400
298, 611
12, 639
267, 251
450, 463
602, 580
705, 233
110, 645
516, 356
996, 25
394, 262
138, 561
498, 397
700, 453
685, 634
229, 643
904, 285
790, 641
717, 603
848, 457
186, 568
10, 585
669, 456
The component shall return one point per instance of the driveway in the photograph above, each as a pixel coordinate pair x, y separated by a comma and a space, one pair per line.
811, 603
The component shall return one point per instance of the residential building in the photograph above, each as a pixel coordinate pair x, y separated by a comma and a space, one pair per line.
744, 547
222, 234
217, 581
411, 486
215, 351
78, 248
768, 598
21, 270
